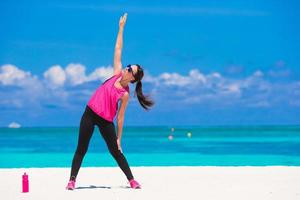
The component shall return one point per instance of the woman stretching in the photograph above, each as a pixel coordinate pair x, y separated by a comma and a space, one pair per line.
102, 108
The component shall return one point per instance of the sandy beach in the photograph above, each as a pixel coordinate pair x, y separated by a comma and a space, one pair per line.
274, 182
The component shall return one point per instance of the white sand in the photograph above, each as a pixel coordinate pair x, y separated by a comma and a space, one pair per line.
159, 183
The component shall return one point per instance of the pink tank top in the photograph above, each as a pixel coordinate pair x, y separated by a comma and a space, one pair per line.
104, 101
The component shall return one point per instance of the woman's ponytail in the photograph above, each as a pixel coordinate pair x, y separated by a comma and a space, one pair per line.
145, 101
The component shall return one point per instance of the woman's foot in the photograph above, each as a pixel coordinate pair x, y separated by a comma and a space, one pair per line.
134, 184
71, 185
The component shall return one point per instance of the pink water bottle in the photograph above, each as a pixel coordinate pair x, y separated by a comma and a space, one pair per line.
25, 183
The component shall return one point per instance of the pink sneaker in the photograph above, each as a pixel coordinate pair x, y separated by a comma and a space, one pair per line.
134, 184
71, 185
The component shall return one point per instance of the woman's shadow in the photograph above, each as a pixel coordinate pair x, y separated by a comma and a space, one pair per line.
101, 187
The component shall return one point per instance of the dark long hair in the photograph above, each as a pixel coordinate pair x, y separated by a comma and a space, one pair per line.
145, 101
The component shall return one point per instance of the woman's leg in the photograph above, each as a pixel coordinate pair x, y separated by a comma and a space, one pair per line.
85, 133
108, 132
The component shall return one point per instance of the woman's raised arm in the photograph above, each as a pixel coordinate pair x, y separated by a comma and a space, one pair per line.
119, 45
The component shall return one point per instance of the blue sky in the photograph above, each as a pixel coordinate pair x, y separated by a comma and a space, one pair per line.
206, 62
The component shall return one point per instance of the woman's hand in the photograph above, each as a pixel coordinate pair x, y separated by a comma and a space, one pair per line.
119, 145
122, 20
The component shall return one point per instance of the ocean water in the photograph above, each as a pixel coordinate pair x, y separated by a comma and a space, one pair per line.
150, 146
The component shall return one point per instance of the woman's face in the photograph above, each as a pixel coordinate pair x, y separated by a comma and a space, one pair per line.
129, 72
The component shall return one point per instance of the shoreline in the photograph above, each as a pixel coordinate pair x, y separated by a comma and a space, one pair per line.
162, 166
170, 182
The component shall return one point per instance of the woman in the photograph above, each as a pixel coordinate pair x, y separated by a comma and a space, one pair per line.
102, 108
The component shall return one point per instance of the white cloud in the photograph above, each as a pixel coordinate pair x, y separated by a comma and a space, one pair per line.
197, 77
29, 86
215, 75
75, 74
101, 73
194, 88
150, 79
200, 87
233, 88
197, 88
55, 76
11, 75
174, 79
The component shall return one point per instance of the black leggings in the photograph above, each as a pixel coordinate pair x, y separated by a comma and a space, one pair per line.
107, 129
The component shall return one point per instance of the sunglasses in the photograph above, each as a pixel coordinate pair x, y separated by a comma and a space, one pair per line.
129, 69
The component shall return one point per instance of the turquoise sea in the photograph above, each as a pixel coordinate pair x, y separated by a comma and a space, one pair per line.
150, 146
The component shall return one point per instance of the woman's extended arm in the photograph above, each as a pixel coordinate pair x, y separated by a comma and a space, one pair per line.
120, 118
119, 45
